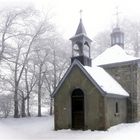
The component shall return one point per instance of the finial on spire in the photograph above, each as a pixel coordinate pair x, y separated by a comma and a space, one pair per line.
117, 16
81, 13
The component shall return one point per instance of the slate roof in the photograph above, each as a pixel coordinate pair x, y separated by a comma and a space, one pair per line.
81, 28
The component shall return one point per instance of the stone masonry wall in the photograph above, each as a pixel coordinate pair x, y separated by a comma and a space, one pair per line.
138, 91
126, 74
93, 102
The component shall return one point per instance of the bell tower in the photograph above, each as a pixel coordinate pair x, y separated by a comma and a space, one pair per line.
81, 45
117, 36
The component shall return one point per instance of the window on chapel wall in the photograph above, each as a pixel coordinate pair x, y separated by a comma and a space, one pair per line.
117, 109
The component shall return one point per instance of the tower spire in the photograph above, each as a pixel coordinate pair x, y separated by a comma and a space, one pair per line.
117, 36
81, 28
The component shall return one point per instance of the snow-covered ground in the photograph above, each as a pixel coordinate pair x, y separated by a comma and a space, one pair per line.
42, 129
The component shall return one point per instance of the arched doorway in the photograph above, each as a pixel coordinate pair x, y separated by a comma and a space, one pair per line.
77, 101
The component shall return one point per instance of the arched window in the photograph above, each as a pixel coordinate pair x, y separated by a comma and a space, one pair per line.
86, 49
76, 50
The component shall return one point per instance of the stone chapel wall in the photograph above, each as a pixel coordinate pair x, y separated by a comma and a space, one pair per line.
126, 74
138, 90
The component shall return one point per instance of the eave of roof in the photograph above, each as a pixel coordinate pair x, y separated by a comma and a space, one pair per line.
120, 63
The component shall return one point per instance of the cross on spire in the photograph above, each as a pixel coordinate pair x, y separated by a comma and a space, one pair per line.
117, 16
81, 13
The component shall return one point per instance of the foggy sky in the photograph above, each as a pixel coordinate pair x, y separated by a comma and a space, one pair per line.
98, 15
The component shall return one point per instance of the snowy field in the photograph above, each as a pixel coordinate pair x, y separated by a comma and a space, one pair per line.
42, 129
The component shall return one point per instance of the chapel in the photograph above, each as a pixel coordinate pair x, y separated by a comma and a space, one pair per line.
97, 94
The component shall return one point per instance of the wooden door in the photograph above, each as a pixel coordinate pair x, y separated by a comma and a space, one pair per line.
77, 109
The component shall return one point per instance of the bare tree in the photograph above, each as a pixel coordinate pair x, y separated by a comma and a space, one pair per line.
30, 82
34, 56
42, 56
100, 42
57, 65
132, 36
22, 44
11, 26
6, 102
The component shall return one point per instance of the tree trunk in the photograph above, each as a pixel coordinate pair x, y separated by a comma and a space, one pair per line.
54, 85
39, 91
16, 111
23, 114
28, 106
39, 101
51, 106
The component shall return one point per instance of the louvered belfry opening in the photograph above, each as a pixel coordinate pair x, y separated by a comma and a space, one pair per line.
77, 100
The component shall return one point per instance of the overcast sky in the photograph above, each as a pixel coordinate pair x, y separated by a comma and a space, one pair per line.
97, 14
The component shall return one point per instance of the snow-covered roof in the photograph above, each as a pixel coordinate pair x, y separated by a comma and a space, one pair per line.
99, 77
106, 82
113, 54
